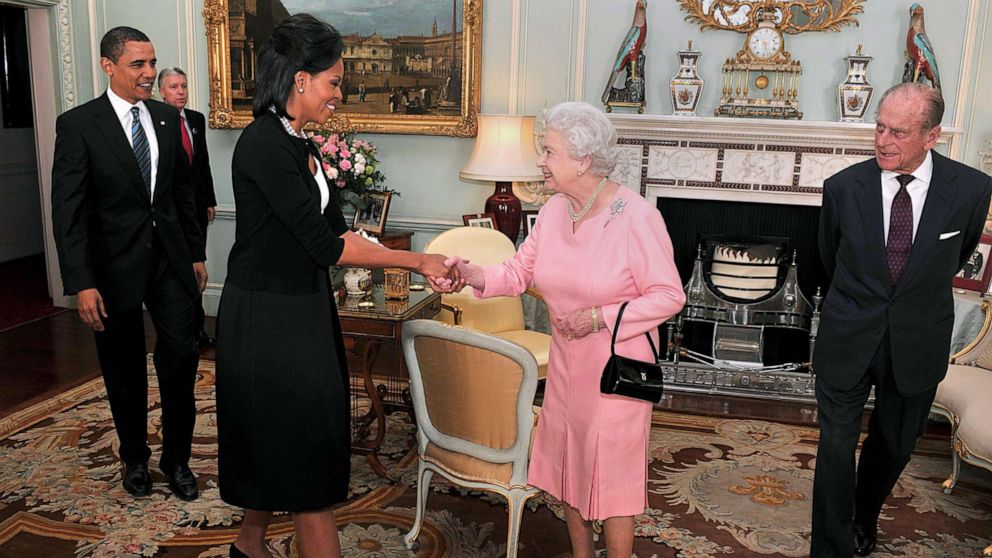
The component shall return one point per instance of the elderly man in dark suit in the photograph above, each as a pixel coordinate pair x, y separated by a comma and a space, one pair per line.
125, 227
174, 89
894, 230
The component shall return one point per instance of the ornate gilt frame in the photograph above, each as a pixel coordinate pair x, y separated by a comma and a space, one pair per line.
465, 124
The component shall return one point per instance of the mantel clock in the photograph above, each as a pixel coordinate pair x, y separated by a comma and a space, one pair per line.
762, 79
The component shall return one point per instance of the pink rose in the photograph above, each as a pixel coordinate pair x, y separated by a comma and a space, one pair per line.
327, 168
345, 153
340, 182
345, 164
318, 138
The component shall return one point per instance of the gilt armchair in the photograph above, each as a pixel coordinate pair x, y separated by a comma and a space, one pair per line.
502, 316
965, 398
473, 397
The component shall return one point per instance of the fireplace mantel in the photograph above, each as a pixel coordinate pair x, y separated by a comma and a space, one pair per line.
747, 160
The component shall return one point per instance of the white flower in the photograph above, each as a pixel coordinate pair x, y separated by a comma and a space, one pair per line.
359, 168
367, 236
332, 173
359, 158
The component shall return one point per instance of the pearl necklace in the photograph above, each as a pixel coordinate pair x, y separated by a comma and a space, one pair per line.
577, 216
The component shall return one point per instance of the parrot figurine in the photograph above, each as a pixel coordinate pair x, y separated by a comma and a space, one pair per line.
630, 48
919, 49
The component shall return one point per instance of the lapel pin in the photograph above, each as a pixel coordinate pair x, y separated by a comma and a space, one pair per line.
161, 122
195, 131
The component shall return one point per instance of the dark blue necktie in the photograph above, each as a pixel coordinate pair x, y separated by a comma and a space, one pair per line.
900, 240
139, 143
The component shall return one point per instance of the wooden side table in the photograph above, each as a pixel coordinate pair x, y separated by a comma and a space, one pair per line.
368, 329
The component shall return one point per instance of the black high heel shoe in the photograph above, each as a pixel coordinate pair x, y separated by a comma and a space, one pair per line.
235, 553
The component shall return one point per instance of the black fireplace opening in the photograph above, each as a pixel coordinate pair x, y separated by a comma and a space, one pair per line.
690, 221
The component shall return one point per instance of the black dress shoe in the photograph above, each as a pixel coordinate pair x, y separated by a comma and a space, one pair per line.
864, 540
182, 482
235, 553
205, 340
137, 481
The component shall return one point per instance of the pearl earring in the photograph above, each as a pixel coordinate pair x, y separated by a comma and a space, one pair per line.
299, 90
579, 173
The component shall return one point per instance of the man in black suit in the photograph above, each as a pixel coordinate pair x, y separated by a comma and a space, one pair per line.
174, 89
894, 230
125, 227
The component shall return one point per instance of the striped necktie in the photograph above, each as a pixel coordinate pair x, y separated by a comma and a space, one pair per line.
139, 143
900, 240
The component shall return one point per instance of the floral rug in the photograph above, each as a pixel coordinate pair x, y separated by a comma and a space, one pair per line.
718, 487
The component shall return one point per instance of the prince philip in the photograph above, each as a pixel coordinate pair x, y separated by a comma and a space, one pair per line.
894, 230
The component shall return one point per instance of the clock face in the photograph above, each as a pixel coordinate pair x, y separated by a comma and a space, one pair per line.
764, 43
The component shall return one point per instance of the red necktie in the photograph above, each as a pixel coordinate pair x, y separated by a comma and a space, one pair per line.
900, 241
187, 144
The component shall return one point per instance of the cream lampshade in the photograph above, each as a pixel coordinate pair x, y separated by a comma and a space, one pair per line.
504, 152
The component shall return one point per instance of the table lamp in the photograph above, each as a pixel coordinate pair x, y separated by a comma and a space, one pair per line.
504, 152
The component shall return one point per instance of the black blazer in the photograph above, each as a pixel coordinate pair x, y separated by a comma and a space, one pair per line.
203, 180
283, 244
862, 304
102, 216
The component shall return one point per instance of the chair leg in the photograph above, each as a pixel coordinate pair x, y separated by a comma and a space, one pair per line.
515, 500
952, 481
424, 476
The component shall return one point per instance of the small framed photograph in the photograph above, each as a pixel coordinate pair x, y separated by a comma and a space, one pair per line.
373, 217
485, 220
529, 217
977, 272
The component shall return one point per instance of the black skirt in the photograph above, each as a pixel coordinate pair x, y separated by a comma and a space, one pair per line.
282, 401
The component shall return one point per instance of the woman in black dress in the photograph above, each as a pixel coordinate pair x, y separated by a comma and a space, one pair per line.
282, 392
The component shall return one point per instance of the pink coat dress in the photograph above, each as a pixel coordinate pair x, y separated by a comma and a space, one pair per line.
590, 449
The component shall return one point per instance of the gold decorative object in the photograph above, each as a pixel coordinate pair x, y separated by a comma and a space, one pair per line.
228, 25
397, 283
763, 60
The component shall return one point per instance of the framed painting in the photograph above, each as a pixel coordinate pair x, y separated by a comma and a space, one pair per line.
485, 220
411, 67
977, 271
373, 217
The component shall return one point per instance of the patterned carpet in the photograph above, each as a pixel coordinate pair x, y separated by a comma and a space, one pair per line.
718, 488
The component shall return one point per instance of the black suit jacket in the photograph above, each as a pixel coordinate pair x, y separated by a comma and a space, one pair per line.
862, 305
203, 181
102, 215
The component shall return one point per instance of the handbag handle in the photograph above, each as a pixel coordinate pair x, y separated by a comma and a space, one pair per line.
616, 327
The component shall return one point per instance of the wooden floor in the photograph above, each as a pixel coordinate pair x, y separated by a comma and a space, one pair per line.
43, 358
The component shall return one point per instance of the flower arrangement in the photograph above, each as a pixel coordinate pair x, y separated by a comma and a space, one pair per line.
351, 165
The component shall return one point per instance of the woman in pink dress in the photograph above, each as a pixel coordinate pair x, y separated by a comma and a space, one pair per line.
595, 246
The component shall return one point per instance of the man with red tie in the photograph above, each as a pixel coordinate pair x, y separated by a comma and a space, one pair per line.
894, 230
174, 89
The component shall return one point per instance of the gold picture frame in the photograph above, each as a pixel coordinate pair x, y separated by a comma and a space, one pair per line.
432, 113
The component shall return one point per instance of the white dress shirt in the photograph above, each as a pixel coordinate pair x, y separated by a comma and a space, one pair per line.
122, 109
917, 190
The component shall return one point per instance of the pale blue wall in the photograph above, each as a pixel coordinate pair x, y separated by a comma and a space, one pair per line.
425, 168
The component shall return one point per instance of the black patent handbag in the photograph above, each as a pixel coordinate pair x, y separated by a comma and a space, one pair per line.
631, 377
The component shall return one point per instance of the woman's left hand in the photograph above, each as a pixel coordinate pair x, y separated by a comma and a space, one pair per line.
576, 324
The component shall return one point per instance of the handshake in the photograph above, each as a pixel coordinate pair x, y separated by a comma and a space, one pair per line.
450, 274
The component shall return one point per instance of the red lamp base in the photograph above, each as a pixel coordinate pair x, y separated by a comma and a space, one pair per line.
506, 209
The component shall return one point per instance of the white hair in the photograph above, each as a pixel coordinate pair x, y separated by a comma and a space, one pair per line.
587, 132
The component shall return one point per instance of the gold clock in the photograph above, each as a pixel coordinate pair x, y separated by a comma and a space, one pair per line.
762, 79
